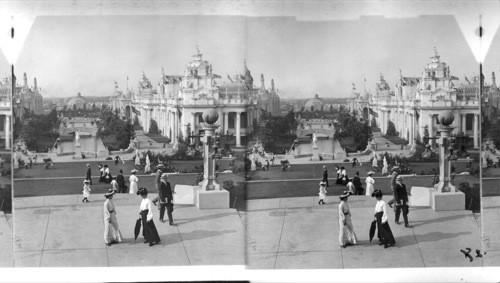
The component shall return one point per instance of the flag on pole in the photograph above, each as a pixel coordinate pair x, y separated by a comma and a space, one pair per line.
373, 113
135, 111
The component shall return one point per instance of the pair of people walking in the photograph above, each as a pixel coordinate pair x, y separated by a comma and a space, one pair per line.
112, 233
386, 238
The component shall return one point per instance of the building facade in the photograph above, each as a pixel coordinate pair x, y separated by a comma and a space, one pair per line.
5, 113
416, 102
178, 102
27, 98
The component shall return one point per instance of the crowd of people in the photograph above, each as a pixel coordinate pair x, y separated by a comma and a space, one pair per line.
164, 201
399, 203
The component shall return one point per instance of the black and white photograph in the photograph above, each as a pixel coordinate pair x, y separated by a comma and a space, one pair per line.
490, 157
129, 145
270, 136
6, 220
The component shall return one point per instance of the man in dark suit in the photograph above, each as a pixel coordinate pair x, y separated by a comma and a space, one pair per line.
159, 172
120, 180
325, 176
165, 196
89, 174
401, 199
394, 175
358, 186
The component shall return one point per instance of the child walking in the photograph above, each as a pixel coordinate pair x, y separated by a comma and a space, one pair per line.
322, 192
86, 190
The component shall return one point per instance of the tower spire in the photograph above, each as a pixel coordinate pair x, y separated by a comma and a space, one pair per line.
262, 84
435, 58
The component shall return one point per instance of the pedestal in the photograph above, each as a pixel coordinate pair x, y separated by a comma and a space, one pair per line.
78, 152
447, 201
315, 156
420, 196
253, 166
185, 194
212, 199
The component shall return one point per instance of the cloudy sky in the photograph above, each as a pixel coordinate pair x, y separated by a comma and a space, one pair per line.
71, 54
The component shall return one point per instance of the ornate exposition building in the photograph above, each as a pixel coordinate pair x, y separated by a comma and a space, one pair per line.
177, 103
26, 98
5, 112
415, 103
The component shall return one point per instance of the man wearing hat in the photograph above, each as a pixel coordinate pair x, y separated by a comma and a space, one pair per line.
159, 172
120, 180
325, 176
393, 176
165, 195
401, 199
89, 174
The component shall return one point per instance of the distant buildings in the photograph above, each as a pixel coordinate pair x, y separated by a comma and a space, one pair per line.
415, 103
27, 98
5, 113
178, 101
77, 102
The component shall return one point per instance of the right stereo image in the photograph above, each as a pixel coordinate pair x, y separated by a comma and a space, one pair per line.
490, 154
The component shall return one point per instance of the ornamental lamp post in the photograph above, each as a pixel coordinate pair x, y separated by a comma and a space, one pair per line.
445, 152
210, 148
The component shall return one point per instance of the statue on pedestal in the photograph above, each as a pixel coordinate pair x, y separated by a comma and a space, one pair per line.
314, 141
77, 138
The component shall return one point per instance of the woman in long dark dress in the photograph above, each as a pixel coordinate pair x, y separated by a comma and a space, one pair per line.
384, 231
146, 212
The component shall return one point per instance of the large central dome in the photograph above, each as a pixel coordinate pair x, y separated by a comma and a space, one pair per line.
316, 103
77, 101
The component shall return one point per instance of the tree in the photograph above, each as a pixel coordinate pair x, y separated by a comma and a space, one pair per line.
391, 129
331, 108
93, 107
374, 122
136, 120
74, 107
153, 127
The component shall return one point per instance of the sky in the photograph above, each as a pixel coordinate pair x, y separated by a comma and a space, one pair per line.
87, 54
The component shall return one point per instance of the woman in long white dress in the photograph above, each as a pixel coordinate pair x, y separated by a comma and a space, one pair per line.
347, 237
133, 182
112, 234
369, 184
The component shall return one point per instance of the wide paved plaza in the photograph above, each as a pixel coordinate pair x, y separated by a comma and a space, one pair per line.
298, 233
61, 231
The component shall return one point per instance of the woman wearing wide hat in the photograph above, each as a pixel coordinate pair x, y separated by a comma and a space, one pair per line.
369, 184
111, 232
347, 237
133, 182
146, 212
384, 231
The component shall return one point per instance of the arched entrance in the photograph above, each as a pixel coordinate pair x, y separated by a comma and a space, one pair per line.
366, 114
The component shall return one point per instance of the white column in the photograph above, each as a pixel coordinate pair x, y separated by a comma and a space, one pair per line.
476, 131
220, 120
7, 132
226, 122
238, 130
464, 123
176, 126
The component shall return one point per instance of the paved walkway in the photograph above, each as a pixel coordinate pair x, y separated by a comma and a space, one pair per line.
490, 218
6, 259
298, 233
61, 231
